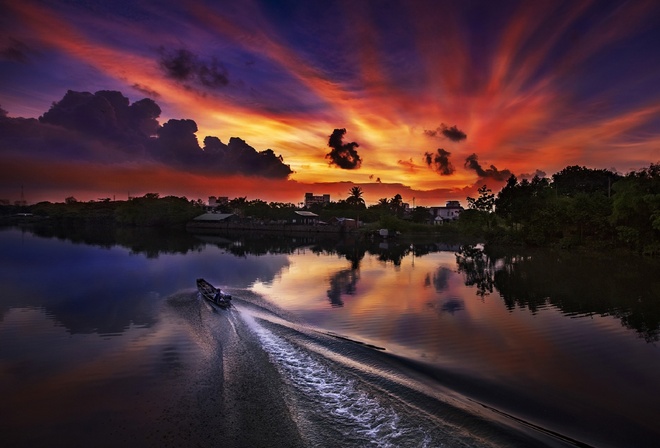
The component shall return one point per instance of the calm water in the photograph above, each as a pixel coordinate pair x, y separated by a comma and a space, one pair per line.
103, 337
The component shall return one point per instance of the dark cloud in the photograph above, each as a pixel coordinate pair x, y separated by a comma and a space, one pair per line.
440, 162
530, 176
3, 113
238, 156
472, 162
105, 127
106, 115
146, 90
452, 133
28, 137
344, 155
15, 50
177, 145
186, 67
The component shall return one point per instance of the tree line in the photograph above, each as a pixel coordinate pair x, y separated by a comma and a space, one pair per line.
576, 206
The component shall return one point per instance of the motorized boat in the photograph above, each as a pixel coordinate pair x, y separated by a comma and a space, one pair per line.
213, 294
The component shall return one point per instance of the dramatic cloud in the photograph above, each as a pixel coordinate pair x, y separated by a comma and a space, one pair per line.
177, 144
344, 155
105, 127
3, 113
452, 133
471, 162
440, 162
186, 67
106, 115
239, 157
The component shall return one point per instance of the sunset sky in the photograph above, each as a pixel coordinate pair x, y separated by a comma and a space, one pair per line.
439, 97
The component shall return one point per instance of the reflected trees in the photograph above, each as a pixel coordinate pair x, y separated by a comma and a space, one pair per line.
577, 284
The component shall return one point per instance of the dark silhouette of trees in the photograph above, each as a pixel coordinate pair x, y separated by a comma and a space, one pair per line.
636, 209
583, 206
481, 207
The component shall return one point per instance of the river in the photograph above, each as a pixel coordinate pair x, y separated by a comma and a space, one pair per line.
328, 343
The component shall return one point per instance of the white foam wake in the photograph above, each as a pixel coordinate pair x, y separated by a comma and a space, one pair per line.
333, 405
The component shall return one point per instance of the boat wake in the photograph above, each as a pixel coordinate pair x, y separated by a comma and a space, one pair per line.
344, 391
330, 403
332, 406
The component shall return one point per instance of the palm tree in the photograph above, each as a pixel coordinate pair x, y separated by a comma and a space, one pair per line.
355, 199
396, 204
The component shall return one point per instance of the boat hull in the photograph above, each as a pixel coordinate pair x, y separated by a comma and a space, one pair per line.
213, 294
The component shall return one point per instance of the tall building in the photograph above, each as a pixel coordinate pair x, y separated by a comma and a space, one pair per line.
310, 199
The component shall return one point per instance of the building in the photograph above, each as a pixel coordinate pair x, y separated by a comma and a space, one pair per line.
449, 212
310, 199
216, 218
303, 217
346, 223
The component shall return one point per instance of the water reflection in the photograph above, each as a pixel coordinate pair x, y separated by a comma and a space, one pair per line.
453, 305
440, 278
578, 284
150, 242
111, 280
477, 268
343, 282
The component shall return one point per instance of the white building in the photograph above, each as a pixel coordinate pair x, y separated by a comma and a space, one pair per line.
450, 212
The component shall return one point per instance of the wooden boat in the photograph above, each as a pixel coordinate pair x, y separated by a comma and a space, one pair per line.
213, 294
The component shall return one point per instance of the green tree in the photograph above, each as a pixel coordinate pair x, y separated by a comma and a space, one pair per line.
579, 179
484, 204
421, 215
636, 208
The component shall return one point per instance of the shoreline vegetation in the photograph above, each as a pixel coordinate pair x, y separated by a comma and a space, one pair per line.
575, 208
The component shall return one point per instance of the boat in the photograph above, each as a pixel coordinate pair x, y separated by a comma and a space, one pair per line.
213, 294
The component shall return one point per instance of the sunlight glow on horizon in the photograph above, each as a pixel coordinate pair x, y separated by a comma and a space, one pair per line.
519, 97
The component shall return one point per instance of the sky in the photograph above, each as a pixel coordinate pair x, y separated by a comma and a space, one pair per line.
273, 99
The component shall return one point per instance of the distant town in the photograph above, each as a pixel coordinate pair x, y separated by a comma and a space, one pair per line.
576, 207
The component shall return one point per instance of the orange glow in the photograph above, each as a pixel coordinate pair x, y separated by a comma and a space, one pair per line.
516, 111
